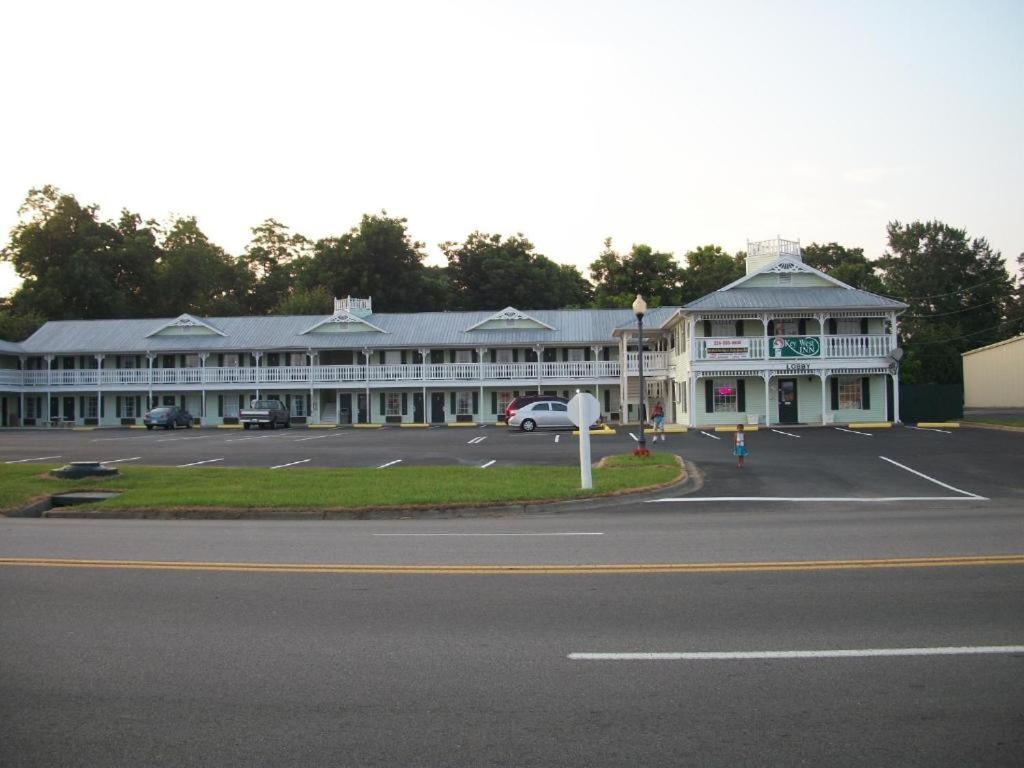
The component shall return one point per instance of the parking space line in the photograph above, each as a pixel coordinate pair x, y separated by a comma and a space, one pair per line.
390, 463
485, 466
567, 533
115, 439
197, 463
823, 654
708, 434
787, 434
240, 439
556, 438
854, 432
932, 479
476, 440
291, 464
818, 499
37, 458
635, 438
933, 429
117, 461
173, 439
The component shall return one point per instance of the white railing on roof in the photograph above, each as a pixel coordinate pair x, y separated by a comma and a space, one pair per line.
348, 304
773, 249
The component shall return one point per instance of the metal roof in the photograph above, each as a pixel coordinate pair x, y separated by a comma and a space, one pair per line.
10, 346
406, 331
793, 299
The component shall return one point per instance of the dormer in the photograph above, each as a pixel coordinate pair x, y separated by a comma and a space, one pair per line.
510, 318
186, 325
344, 321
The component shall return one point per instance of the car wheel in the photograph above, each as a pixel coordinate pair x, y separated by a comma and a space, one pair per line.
528, 425
245, 426
272, 425
188, 424
168, 426
149, 426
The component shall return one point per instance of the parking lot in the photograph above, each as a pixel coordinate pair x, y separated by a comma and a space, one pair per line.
901, 463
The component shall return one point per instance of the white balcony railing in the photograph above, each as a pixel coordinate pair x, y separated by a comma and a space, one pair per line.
828, 346
655, 363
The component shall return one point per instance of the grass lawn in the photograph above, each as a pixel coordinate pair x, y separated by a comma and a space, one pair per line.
1005, 421
226, 487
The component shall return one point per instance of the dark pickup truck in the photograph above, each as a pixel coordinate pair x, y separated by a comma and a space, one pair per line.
264, 413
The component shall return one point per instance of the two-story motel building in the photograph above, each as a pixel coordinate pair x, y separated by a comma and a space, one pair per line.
784, 344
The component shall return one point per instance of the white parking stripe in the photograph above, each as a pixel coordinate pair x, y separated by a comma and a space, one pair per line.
37, 458
856, 499
240, 439
556, 438
708, 434
292, 464
485, 466
390, 463
635, 439
787, 434
932, 479
855, 432
117, 461
968, 650
490, 534
197, 463
933, 429
476, 440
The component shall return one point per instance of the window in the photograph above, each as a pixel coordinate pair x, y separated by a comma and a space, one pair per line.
725, 395
393, 404
33, 408
848, 326
464, 404
392, 357
464, 356
297, 358
298, 405
504, 398
91, 407
850, 394
787, 327
191, 361
126, 361
560, 407
720, 328
503, 356
540, 407
168, 400
576, 355
128, 407
681, 395
230, 361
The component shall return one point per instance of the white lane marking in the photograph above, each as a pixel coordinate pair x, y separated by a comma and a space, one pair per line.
485, 466
635, 440
556, 438
869, 499
390, 463
114, 439
292, 464
573, 533
966, 650
320, 437
240, 439
930, 429
932, 479
37, 458
708, 434
855, 432
173, 439
197, 463
787, 434
116, 461
476, 440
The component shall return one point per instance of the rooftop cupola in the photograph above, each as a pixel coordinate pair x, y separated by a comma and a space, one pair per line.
357, 307
763, 252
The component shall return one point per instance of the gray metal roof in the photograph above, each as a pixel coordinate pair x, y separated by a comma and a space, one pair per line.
793, 299
10, 347
406, 331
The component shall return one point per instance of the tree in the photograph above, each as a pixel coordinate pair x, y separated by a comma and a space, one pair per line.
619, 278
708, 268
491, 272
957, 289
75, 266
196, 276
376, 259
306, 301
273, 260
848, 265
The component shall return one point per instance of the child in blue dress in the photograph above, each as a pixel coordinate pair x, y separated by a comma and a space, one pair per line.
741, 447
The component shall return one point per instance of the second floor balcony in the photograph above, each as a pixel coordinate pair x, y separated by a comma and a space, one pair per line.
655, 364
787, 347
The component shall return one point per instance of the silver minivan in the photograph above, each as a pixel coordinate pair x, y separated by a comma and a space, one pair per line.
542, 414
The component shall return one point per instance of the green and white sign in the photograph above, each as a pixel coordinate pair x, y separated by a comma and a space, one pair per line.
794, 346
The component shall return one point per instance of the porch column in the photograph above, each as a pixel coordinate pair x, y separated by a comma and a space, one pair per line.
822, 322
825, 406
49, 375
257, 356
314, 407
99, 388
424, 361
480, 362
896, 396
149, 357
595, 351
691, 400
764, 354
366, 373
337, 407
767, 376
539, 349
202, 378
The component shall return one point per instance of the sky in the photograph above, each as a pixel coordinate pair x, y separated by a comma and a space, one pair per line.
674, 124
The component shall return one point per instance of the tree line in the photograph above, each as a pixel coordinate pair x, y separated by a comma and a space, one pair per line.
75, 265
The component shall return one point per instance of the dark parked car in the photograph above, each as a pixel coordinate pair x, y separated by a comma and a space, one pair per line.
523, 400
168, 417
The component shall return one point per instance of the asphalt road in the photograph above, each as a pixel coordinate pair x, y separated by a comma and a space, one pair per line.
115, 663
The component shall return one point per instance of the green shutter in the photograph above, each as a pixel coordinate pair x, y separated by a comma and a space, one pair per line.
118, 407
451, 355
405, 401
709, 396
607, 401
833, 326
864, 325
739, 330
403, 362
835, 393
382, 404
741, 394
476, 402
802, 327
452, 400
515, 355
220, 406
138, 405
494, 402
565, 354
586, 353
865, 392
707, 328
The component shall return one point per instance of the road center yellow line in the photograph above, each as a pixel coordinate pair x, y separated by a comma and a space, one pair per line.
543, 570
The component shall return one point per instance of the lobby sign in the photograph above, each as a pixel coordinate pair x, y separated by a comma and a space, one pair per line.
728, 349
795, 346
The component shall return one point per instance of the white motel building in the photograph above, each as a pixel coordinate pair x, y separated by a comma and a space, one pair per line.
785, 344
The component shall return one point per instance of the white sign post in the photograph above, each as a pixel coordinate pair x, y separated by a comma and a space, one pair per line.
584, 410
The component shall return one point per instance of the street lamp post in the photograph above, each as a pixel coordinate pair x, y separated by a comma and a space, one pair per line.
640, 309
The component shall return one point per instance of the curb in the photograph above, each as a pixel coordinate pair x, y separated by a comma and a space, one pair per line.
870, 425
999, 427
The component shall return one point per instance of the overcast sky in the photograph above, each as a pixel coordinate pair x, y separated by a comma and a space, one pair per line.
670, 123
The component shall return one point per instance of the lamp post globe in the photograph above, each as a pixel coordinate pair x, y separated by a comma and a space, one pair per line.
640, 309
